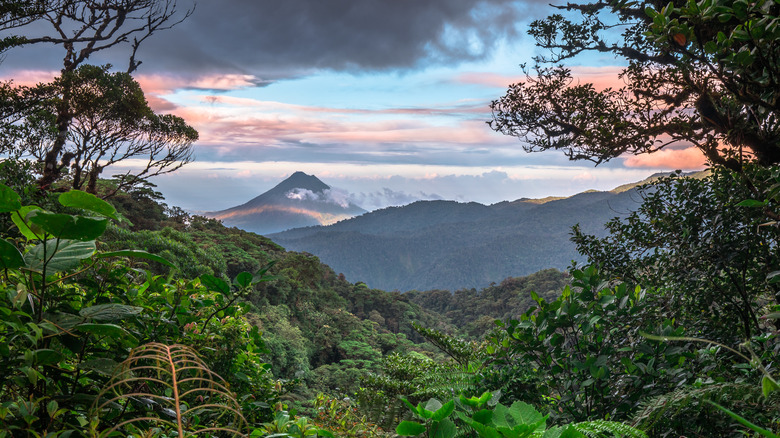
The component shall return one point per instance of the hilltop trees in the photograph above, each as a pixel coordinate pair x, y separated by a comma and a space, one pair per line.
699, 73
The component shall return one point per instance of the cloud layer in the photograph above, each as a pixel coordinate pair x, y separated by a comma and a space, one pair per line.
284, 38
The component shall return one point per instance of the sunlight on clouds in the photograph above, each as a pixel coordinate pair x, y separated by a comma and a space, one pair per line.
29, 78
601, 78
689, 158
167, 84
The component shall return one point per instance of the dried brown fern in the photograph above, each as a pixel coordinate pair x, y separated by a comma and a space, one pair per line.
167, 388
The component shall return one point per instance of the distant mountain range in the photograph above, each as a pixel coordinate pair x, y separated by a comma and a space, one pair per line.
299, 201
450, 245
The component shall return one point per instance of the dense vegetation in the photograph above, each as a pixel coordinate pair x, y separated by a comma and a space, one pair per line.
129, 318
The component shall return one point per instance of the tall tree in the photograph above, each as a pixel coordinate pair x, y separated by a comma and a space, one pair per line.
703, 73
112, 122
82, 28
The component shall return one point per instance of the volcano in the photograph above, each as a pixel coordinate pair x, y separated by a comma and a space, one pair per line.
299, 201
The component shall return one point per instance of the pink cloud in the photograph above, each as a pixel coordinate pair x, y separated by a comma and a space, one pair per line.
600, 77
277, 124
689, 158
165, 84
28, 78
488, 79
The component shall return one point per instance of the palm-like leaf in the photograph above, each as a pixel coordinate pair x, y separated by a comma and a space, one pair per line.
169, 388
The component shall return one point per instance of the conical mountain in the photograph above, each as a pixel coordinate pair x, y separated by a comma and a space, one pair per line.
299, 201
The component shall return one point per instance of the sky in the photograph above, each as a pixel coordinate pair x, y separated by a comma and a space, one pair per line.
384, 100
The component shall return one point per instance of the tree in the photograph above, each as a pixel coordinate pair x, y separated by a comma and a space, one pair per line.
706, 253
703, 73
82, 28
111, 122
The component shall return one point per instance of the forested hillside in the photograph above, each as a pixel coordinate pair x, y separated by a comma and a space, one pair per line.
451, 245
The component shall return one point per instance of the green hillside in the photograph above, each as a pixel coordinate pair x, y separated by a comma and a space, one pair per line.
451, 245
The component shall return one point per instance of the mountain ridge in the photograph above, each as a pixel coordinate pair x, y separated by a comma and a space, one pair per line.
450, 245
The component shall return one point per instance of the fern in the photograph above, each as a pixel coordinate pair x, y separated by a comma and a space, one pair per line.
601, 428
169, 388
443, 383
670, 405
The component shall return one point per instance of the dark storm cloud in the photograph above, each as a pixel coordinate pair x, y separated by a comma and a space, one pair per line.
280, 38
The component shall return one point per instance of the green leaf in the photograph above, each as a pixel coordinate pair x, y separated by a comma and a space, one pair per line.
244, 279
433, 405
10, 257
444, 411
9, 200
110, 330
768, 386
19, 218
215, 284
443, 429
110, 312
88, 201
409, 428
138, 254
65, 226
63, 320
485, 416
524, 413
571, 432
47, 356
751, 203
61, 255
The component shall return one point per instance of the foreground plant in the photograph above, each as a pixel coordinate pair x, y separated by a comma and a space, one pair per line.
166, 388
70, 314
520, 420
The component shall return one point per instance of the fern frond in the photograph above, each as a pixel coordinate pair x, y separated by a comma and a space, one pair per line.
669, 405
608, 429
168, 387
445, 383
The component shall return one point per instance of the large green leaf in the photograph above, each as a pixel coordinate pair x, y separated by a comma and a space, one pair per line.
10, 257
65, 226
443, 429
243, 279
523, 413
109, 330
61, 255
138, 254
110, 312
215, 284
62, 320
9, 200
88, 201
409, 428
444, 411
20, 219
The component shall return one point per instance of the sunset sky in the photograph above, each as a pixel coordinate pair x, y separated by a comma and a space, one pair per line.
386, 100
